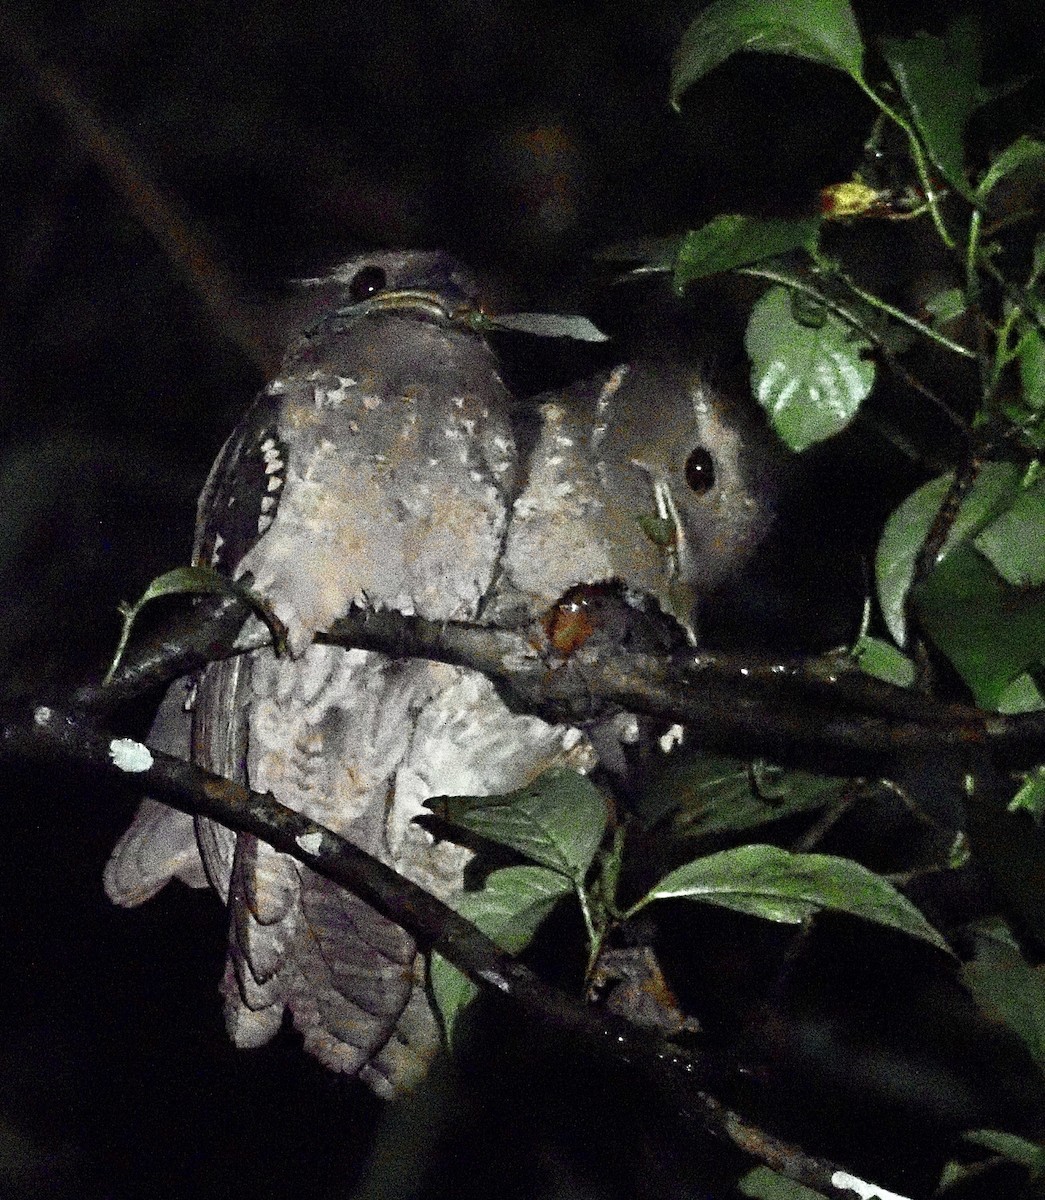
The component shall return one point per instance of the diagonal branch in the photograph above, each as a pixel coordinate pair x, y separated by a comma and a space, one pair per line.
56, 738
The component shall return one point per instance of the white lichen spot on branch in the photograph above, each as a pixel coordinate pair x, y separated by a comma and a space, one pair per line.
866, 1191
495, 979
129, 755
311, 843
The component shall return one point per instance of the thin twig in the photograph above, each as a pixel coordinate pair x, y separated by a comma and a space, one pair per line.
846, 314
961, 485
206, 633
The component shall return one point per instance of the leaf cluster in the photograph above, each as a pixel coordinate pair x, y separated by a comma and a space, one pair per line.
959, 603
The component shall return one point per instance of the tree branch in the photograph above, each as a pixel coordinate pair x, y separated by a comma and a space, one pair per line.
803, 712
55, 738
207, 632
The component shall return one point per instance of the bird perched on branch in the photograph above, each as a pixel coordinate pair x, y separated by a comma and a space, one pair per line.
380, 468
644, 473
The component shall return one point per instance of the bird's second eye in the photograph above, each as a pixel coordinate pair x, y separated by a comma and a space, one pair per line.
367, 281
700, 471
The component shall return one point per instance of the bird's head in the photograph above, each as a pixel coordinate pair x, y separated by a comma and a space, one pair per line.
424, 282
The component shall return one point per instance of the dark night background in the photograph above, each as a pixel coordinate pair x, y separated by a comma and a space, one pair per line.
521, 136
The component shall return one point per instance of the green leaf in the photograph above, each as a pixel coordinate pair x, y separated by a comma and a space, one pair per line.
1015, 541
736, 241
196, 581
1007, 987
884, 661
1031, 354
810, 381
768, 882
1021, 695
824, 31
1025, 153
939, 79
995, 489
1030, 798
711, 793
1008, 1145
953, 1177
558, 820
946, 306
509, 910
661, 531
990, 631
764, 1184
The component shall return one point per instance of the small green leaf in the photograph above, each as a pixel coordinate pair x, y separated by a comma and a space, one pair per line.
995, 489
509, 910
946, 306
1028, 1154
763, 1184
884, 661
737, 241
191, 581
1026, 153
939, 79
1015, 541
195, 581
1030, 798
824, 31
811, 382
990, 631
1031, 354
661, 531
558, 820
953, 1175
1022, 695
768, 882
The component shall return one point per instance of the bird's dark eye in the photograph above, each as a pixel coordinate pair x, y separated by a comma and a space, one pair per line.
367, 281
700, 471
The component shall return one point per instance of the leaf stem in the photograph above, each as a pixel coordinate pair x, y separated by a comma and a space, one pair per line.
897, 314
129, 614
793, 283
918, 154
589, 923
597, 927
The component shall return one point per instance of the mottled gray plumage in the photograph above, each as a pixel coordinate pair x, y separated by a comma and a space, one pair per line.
377, 468
644, 473
380, 467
